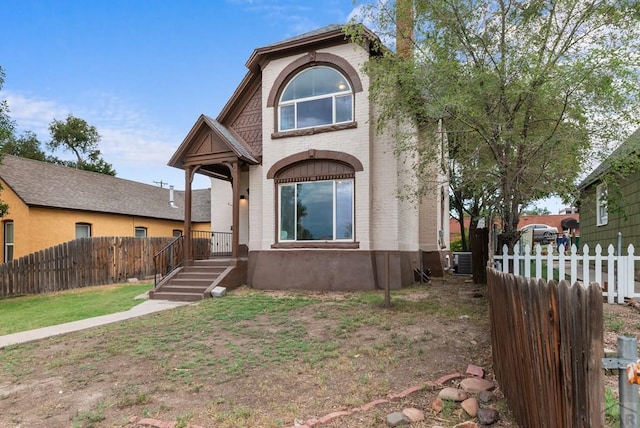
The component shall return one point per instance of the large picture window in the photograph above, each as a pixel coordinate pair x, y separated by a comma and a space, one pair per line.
316, 211
317, 96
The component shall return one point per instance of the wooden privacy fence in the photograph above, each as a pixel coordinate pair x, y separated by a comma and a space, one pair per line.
547, 340
614, 272
84, 262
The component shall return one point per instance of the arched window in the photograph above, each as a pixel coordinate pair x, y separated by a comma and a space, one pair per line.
316, 96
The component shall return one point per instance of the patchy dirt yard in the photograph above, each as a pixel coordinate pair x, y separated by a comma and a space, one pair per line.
260, 359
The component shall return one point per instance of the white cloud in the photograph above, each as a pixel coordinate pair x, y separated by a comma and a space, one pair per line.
137, 148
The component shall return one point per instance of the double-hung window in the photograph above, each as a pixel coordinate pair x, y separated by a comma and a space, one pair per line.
8, 241
602, 214
316, 211
317, 96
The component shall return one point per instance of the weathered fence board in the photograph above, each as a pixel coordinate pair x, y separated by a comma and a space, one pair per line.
85, 262
547, 342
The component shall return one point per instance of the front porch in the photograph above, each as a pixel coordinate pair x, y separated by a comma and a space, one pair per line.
210, 265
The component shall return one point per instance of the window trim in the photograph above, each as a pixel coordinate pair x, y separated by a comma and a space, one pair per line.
602, 213
6, 244
295, 102
310, 242
88, 225
140, 228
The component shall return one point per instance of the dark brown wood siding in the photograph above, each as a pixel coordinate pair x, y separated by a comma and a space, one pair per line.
248, 124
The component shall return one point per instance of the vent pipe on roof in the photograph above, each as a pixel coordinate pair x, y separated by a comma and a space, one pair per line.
172, 204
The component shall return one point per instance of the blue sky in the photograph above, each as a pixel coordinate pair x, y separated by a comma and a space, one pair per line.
140, 71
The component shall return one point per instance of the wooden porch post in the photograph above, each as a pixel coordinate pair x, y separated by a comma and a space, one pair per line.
235, 185
188, 253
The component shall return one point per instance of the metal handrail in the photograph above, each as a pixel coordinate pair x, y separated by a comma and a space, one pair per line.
168, 259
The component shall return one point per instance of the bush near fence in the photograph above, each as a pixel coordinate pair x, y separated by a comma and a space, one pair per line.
547, 343
85, 262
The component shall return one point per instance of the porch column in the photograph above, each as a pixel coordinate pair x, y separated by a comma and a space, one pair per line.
188, 253
235, 185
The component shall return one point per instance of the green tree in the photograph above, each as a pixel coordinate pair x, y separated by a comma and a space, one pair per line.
7, 128
25, 146
536, 86
76, 135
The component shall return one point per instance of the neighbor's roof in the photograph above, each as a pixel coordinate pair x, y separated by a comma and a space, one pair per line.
44, 184
630, 146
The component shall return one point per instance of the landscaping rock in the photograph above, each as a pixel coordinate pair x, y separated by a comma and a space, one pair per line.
487, 416
486, 396
397, 419
453, 394
467, 424
470, 405
218, 291
475, 371
414, 415
474, 385
437, 405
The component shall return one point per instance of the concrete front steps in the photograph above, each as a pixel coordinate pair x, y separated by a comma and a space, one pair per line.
191, 283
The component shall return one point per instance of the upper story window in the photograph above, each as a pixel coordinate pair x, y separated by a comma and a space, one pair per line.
317, 96
602, 214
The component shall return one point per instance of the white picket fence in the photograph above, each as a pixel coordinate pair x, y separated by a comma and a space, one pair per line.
614, 273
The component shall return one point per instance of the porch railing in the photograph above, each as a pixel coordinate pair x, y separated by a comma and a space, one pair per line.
204, 245
220, 243
168, 259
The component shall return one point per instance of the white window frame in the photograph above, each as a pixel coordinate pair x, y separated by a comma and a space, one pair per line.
141, 229
8, 244
83, 225
334, 225
602, 213
334, 95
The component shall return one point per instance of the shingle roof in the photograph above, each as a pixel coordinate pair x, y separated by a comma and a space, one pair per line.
630, 146
48, 185
234, 144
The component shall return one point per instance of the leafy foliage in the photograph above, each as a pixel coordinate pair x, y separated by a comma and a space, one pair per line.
527, 90
7, 127
76, 135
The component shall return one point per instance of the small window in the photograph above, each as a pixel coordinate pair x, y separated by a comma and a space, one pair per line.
317, 96
177, 233
141, 232
602, 214
83, 230
8, 241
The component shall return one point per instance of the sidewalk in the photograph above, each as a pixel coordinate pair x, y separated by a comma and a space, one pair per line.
144, 308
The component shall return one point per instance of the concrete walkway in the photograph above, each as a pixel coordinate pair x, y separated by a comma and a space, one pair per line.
144, 308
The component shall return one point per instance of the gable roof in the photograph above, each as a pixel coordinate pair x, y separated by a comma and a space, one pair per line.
330, 35
43, 184
205, 135
631, 146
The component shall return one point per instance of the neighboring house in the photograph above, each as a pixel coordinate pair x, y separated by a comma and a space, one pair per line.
562, 222
305, 182
50, 204
598, 223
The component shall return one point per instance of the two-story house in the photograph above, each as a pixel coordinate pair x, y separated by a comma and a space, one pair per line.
306, 183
